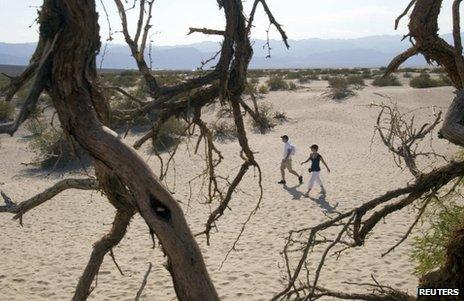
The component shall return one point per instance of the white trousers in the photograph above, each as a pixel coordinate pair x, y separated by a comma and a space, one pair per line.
315, 178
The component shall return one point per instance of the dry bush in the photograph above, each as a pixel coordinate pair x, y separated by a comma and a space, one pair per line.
292, 86
6, 111
251, 87
386, 81
306, 79
429, 248
314, 77
52, 148
339, 88
265, 121
169, 78
276, 83
366, 74
407, 75
263, 89
124, 79
224, 131
280, 117
425, 81
120, 104
170, 134
356, 80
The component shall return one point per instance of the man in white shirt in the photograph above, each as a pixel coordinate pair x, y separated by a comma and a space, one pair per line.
289, 151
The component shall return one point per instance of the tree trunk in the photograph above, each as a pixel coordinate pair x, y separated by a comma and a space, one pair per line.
72, 86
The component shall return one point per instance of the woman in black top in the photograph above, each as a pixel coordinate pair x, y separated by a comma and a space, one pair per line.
315, 169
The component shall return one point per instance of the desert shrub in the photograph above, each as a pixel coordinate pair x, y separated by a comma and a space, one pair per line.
52, 148
429, 248
224, 131
410, 70
170, 134
355, 80
407, 75
4, 81
169, 78
277, 82
293, 75
439, 70
386, 81
263, 89
265, 120
120, 104
35, 127
339, 88
6, 111
251, 88
325, 77
126, 78
281, 117
425, 81
254, 80
446, 80
225, 111
338, 82
366, 74
314, 77
292, 86
304, 80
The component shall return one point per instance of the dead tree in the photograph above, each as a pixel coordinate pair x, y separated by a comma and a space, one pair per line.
64, 67
353, 226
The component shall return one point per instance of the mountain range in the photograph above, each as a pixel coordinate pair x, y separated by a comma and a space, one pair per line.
372, 51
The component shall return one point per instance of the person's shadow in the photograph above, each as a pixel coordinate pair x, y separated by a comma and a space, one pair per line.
322, 202
293, 191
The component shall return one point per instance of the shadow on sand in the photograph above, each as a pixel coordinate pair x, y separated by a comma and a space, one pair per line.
293, 191
320, 200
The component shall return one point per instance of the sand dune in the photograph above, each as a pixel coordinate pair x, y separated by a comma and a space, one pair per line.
43, 259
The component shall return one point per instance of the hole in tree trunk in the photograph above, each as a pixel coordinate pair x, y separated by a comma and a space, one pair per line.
159, 208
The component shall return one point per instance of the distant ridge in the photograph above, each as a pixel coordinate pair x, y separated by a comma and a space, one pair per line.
373, 51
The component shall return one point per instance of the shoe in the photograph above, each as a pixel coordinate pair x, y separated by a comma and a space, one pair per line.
281, 182
306, 195
300, 178
323, 191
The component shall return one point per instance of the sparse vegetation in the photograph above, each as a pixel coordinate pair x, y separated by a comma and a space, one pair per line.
366, 74
170, 134
407, 75
120, 104
266, 120
424, 80
251, 87
355, 80
305, 79
276, 83
224, 131
339, 88
429, 249
280, 117
52, 148
125, 79
6, 111
292, 86
386, 81
263, 89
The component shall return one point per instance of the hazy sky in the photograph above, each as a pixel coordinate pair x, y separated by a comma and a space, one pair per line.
172, 18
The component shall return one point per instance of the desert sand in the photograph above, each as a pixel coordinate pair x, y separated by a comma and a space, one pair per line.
44, 259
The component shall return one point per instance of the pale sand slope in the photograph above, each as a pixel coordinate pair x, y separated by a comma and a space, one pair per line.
43, 260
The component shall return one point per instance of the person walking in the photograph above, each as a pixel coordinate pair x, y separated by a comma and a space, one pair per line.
286, 164
315, 169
